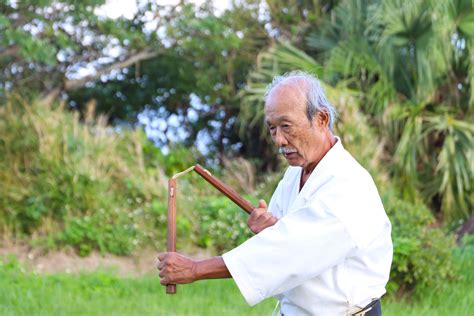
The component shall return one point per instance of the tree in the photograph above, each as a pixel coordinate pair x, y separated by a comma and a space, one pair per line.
46, 44
181, 64
192, 86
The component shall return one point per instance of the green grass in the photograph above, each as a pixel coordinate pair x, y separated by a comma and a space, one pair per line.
103, 293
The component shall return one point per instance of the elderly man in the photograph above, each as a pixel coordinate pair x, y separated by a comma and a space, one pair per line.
323, 245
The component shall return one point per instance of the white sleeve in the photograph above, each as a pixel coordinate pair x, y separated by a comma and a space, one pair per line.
299, 247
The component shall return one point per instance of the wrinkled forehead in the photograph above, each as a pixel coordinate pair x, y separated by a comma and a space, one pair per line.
288, 95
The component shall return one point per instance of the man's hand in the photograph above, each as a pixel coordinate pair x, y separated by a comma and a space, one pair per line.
260, 218
176, 268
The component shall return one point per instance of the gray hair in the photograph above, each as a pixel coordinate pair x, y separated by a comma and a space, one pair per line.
316, 100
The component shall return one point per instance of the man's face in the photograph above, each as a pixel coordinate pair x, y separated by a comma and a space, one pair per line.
303, 143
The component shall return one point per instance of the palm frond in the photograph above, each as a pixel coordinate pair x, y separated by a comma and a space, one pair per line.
454, 168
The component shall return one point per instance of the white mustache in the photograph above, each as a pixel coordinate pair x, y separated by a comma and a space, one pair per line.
286, 150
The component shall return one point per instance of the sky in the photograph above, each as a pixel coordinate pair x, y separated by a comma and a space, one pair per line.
127, 8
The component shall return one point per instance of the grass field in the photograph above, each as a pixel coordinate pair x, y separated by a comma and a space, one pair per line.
103, 293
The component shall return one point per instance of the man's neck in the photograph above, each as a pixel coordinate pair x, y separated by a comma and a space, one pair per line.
308, 170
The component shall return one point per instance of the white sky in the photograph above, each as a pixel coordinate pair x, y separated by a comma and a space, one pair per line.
127, 8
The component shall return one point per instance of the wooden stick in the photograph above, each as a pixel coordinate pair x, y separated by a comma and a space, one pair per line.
171, 288
225, 189
218, 184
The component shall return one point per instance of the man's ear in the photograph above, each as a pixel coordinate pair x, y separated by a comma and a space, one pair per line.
322, 119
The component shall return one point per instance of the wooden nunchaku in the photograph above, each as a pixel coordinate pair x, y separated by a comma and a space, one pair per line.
218, 184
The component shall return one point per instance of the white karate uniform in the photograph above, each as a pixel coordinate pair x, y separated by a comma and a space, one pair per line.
330, 251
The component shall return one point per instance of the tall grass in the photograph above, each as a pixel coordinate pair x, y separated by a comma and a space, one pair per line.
82, 183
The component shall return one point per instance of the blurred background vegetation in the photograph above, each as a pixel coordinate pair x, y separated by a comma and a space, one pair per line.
96, 112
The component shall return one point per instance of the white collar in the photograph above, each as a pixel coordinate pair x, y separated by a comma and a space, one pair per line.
321, 174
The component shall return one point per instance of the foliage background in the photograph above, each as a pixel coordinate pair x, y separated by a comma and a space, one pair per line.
96, 113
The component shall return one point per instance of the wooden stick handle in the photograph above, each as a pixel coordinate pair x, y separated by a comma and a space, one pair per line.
225, 189
171, 288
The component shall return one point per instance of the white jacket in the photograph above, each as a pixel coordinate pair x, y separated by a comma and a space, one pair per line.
331, 250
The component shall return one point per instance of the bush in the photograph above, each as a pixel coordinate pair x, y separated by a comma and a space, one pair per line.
222, 224
69, 183
422, 255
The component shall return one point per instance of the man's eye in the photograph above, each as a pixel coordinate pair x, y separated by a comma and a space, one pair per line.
285, 126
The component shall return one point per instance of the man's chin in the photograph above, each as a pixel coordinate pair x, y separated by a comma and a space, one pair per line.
294, 162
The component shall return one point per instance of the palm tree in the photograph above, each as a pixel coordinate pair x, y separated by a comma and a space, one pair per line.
411, 65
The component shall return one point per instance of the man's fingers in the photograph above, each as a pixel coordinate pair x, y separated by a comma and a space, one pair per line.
256, 213
271, 221
260, 218
161, 256
161, 265
267, 221
175, 268
264, 218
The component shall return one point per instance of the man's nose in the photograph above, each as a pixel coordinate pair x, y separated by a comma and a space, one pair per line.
279, 138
